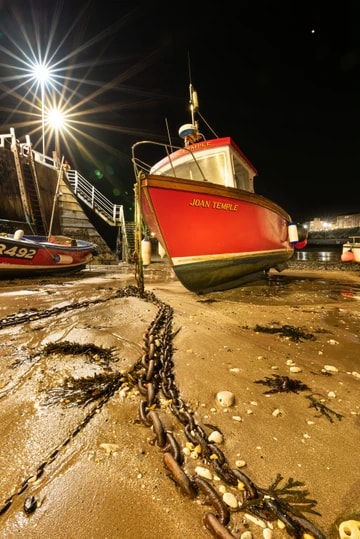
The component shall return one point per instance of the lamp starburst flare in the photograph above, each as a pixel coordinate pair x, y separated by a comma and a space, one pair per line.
61, 72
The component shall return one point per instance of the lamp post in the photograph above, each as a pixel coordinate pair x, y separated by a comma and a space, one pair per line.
43, 115
41, 74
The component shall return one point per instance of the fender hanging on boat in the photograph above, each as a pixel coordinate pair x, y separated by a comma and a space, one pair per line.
293, 234
297, 235
63, 259
161, 251
146, 251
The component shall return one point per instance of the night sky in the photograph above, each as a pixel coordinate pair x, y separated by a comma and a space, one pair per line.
282, 78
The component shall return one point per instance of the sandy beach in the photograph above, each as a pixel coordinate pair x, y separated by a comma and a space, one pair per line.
87, 423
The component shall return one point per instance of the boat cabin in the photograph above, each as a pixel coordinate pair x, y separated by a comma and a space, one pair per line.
353, 240
218, 161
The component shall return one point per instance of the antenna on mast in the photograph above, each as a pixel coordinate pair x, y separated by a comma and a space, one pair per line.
190, 132
194, 102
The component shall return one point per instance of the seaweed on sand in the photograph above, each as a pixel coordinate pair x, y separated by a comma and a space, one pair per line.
287, 503
282, 384
292, 332
294, 496
324, 410
93, 352
82, 391
67, 347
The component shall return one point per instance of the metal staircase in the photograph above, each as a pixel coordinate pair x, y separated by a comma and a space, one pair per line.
112, 214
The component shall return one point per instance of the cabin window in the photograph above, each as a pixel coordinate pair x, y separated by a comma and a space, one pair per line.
213, 169
241, 176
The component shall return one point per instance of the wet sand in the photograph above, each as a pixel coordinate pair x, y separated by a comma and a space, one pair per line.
97, 471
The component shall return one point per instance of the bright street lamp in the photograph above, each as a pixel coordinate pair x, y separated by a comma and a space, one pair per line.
56, 118
56, 121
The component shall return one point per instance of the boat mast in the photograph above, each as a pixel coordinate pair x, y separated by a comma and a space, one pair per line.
190, 132
194, 109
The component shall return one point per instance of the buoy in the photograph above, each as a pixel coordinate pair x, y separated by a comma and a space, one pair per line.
293, 233
301, 244
18, 234
146, 251
347, 256
161, 251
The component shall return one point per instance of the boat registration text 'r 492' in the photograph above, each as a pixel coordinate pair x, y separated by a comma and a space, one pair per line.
16, 251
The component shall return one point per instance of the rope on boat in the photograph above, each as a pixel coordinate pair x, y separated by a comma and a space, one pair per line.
139, 267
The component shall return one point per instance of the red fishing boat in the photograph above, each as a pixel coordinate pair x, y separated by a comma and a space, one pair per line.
26, 255
199, 202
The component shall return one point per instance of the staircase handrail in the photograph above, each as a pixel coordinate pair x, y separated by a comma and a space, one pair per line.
82, 188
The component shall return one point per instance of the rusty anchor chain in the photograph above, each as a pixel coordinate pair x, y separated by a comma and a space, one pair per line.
154, 375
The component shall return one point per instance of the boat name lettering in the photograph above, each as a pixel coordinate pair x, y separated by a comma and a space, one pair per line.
198, 145
200, 203
216, 205
17, 252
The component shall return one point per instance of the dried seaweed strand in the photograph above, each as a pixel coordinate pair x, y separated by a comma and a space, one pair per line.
296, 498
68, 348
294, 333
282, 384
82, 391
324, 410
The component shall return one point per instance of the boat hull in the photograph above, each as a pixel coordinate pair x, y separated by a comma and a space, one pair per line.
351, 250
225, 273
216, 237
34, 255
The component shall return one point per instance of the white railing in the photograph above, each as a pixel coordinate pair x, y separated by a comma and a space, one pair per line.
84, 190
7, 138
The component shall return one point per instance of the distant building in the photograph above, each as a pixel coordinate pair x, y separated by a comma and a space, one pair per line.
348, 221
319, 224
